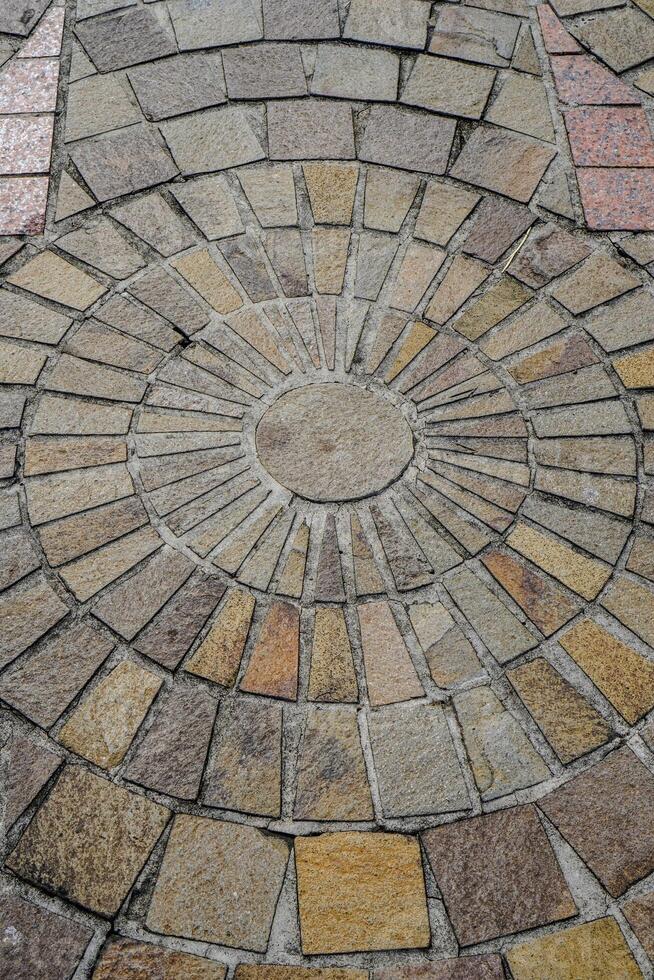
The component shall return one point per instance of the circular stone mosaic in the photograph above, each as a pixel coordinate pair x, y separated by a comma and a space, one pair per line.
326, 563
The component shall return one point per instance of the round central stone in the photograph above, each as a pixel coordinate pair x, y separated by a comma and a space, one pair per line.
334, 442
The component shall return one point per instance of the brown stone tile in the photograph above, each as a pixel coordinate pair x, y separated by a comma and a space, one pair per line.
360, 891
29, 767
617, 198
639, 913
611, 136
486, 967
130, 959
219, 882
624, 677
593, 949
52, 277
245, 767
390, 674
37, 942
547, 605
28, 610
218, 656
631, 603
273, 665
585, 576
622, 38
549, 252
332, 783
102, 727
498, 874
270, 971
332, 676
170, 759
89, 841
603, 813
569, 723
495, 226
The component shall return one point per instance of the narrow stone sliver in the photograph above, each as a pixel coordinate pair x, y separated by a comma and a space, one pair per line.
326, 636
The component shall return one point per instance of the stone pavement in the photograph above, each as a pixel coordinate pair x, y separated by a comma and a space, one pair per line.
326, 490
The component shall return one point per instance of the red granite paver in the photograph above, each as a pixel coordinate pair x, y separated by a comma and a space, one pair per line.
610, 136
580, 79
22, 205
555, 37
617, 198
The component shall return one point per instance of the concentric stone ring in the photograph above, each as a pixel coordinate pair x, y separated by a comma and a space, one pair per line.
326, 518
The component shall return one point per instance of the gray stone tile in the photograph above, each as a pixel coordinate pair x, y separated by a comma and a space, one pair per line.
398, 137
296, 20
177, 85
213, 140
37, 942
214, 23
123, 162
310, 129
126, 39
444, 85
399, 23
355, 73
264, 71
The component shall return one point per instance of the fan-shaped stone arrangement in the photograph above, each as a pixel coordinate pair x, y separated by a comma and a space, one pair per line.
327, 644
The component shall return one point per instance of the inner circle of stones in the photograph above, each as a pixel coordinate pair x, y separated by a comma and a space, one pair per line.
422, 584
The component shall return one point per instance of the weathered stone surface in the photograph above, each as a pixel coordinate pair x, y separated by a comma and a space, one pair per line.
28, 610
639, 913
29, 767
245, 768
332, 676
598, 280
331, 781
99, 104
126, 39
495, 226
622, 38
269, 971
401, 23
129, 606
443, 85
388, 197
89, 841
214, 140
129, 958
475, 35
102, 727
172, 632
360, 892
296, 20
503, 162
201, 272
487, 967
218, 657
602, 813
38, 943
273, 665
180, 84
390, 674
309, 130
20, 16
450, 655
547, 605
570, 724
170, 759
522, 105
52, 277
442, 211
219, 882
355, 73
415, 761
324, 466
624, 677
153, 220
502, 757
583, 575
399, 137
498, 874
123, 162
586, 951
215, 23
264, 71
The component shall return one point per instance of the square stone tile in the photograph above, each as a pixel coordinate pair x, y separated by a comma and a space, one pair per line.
180, 84
310, 129
399, 137
610, 136
503, 162
585, 952
498, 874
20, 16
212, 140
219, 883
522, 105
448, 86
23, 202
615, 199
360, 891
604, 814
37, 942
355, 73
29, 85
99, 104
25, 144
599, 279
214, 23
123, 162
264, 71
300, 20
133, 36
399, 23
89, 841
